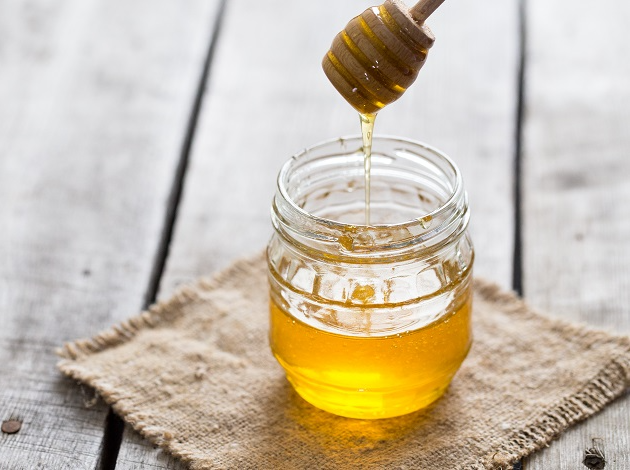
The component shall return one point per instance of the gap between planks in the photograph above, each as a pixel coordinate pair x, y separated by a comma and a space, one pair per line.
517, 262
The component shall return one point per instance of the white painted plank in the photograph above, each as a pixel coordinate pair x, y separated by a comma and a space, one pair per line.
576, 193
268, 98
94, 101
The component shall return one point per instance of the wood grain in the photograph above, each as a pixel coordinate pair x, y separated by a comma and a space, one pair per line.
249, 127
94, 111
576, 191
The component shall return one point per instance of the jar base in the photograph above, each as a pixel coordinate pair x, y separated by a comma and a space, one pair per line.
366, 404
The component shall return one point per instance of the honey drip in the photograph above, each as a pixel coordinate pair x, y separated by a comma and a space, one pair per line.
367, 130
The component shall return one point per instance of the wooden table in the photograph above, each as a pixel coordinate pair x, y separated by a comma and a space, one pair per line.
140, 139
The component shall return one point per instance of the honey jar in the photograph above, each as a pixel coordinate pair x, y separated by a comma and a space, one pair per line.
370, 321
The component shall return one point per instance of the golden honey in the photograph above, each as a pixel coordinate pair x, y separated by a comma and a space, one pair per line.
370, 320
371, 377
367, 131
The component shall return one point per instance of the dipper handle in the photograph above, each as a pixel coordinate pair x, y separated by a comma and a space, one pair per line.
423, 9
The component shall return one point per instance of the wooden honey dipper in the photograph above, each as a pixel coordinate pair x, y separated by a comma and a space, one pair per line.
378, 55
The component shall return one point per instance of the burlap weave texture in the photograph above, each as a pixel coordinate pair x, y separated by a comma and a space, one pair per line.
194, 374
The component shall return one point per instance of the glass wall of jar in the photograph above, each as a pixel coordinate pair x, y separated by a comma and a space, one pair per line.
370, 321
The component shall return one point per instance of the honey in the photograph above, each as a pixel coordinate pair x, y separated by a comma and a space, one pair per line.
371, 376
367, 130
370, 306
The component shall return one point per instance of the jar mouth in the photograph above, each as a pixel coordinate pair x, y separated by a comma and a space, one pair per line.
396, 161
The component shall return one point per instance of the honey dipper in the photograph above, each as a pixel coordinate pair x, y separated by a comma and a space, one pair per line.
378, 55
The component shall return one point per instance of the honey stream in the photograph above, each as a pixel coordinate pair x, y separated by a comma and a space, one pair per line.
371, 377
367, 131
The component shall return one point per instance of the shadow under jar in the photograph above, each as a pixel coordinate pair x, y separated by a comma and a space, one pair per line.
370, 321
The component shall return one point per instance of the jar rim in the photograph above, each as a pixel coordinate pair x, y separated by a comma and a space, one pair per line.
445, 206
433, 229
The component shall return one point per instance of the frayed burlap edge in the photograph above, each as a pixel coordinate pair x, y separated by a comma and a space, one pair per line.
125, 332
609, 383
155, 315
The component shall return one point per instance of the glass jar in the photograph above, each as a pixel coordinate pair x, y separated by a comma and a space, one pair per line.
370, 321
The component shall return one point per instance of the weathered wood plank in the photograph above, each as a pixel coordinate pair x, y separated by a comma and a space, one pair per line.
267, 98
94, 101
576, 190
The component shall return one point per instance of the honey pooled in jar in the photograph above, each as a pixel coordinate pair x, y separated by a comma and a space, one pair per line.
372, 377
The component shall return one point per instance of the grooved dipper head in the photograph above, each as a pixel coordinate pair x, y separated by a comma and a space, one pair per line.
377, 56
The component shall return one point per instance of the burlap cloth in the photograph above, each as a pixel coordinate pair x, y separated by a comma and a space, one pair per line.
195, 376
